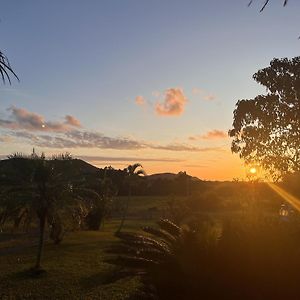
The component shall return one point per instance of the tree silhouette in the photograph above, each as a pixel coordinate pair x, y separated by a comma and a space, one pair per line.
36, 186
132, 172
6, 69
175, 261
266, 129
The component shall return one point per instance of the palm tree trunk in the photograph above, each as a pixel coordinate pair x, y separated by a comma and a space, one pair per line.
125, 211
41, 240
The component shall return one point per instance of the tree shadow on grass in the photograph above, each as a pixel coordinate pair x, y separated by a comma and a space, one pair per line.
109, 276
26, 274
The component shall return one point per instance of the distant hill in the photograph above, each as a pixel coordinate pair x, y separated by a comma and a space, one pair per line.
77, 168
77, 171
169, 176
79, 165
76, 164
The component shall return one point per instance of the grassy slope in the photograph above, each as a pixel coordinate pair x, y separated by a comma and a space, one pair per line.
75, 269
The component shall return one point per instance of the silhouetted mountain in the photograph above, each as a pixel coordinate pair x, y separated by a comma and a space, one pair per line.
70, 169
81, 172
169, 176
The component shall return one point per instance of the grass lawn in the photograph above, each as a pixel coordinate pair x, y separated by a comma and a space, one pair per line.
75, 269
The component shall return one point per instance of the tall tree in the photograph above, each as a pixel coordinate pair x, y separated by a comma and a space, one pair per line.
266, 129
132, 172
37, 185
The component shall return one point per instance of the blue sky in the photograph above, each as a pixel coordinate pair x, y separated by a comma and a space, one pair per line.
91, 59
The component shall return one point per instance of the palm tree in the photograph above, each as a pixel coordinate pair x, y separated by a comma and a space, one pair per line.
37, 186
174, 262
132, 173
266, 3
5, 68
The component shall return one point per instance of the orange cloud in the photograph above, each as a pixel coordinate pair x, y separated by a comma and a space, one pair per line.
210, 135
173, 103
72, 121
197, 91
205, 95
140, 100
209, 97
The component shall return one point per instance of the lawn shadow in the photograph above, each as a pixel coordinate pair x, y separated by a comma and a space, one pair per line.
109, 276
27, 274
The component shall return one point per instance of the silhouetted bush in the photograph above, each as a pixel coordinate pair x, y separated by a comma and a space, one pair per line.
253, 256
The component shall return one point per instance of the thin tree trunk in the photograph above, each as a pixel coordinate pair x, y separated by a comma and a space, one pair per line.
41, 240
125, 212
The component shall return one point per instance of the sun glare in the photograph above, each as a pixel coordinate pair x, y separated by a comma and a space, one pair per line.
291, 199
253, 170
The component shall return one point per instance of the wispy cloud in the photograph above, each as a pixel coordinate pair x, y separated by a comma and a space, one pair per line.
209, 97
195, 166
87, 139
5, 139
156, 94
204, 94
210, 135
127, 159
20, 118
173, 103
186, 147
24, 126
197, 91
80, 139
72, 121
140, 100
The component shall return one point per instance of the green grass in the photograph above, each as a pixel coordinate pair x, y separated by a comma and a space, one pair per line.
139, 205
76, 269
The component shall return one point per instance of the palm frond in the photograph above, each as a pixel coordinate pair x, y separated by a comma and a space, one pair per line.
136, 240
266, 3
5, 69
170, 227
160, 234
132, 261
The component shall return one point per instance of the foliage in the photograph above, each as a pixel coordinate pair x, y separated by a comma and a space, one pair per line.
62, 156
133, 173
266, 129
36, 188
250, 256
166, 255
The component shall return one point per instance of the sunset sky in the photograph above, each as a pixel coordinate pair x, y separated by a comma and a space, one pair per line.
117, 82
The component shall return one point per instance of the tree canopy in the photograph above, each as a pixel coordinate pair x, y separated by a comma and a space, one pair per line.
266, 129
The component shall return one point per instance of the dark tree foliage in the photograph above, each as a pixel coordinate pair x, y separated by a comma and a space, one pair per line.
35, 187
251, 257
132, 175
266, 129
101, 193
172, 261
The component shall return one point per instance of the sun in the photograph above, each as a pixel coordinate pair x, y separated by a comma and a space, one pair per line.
253, 170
